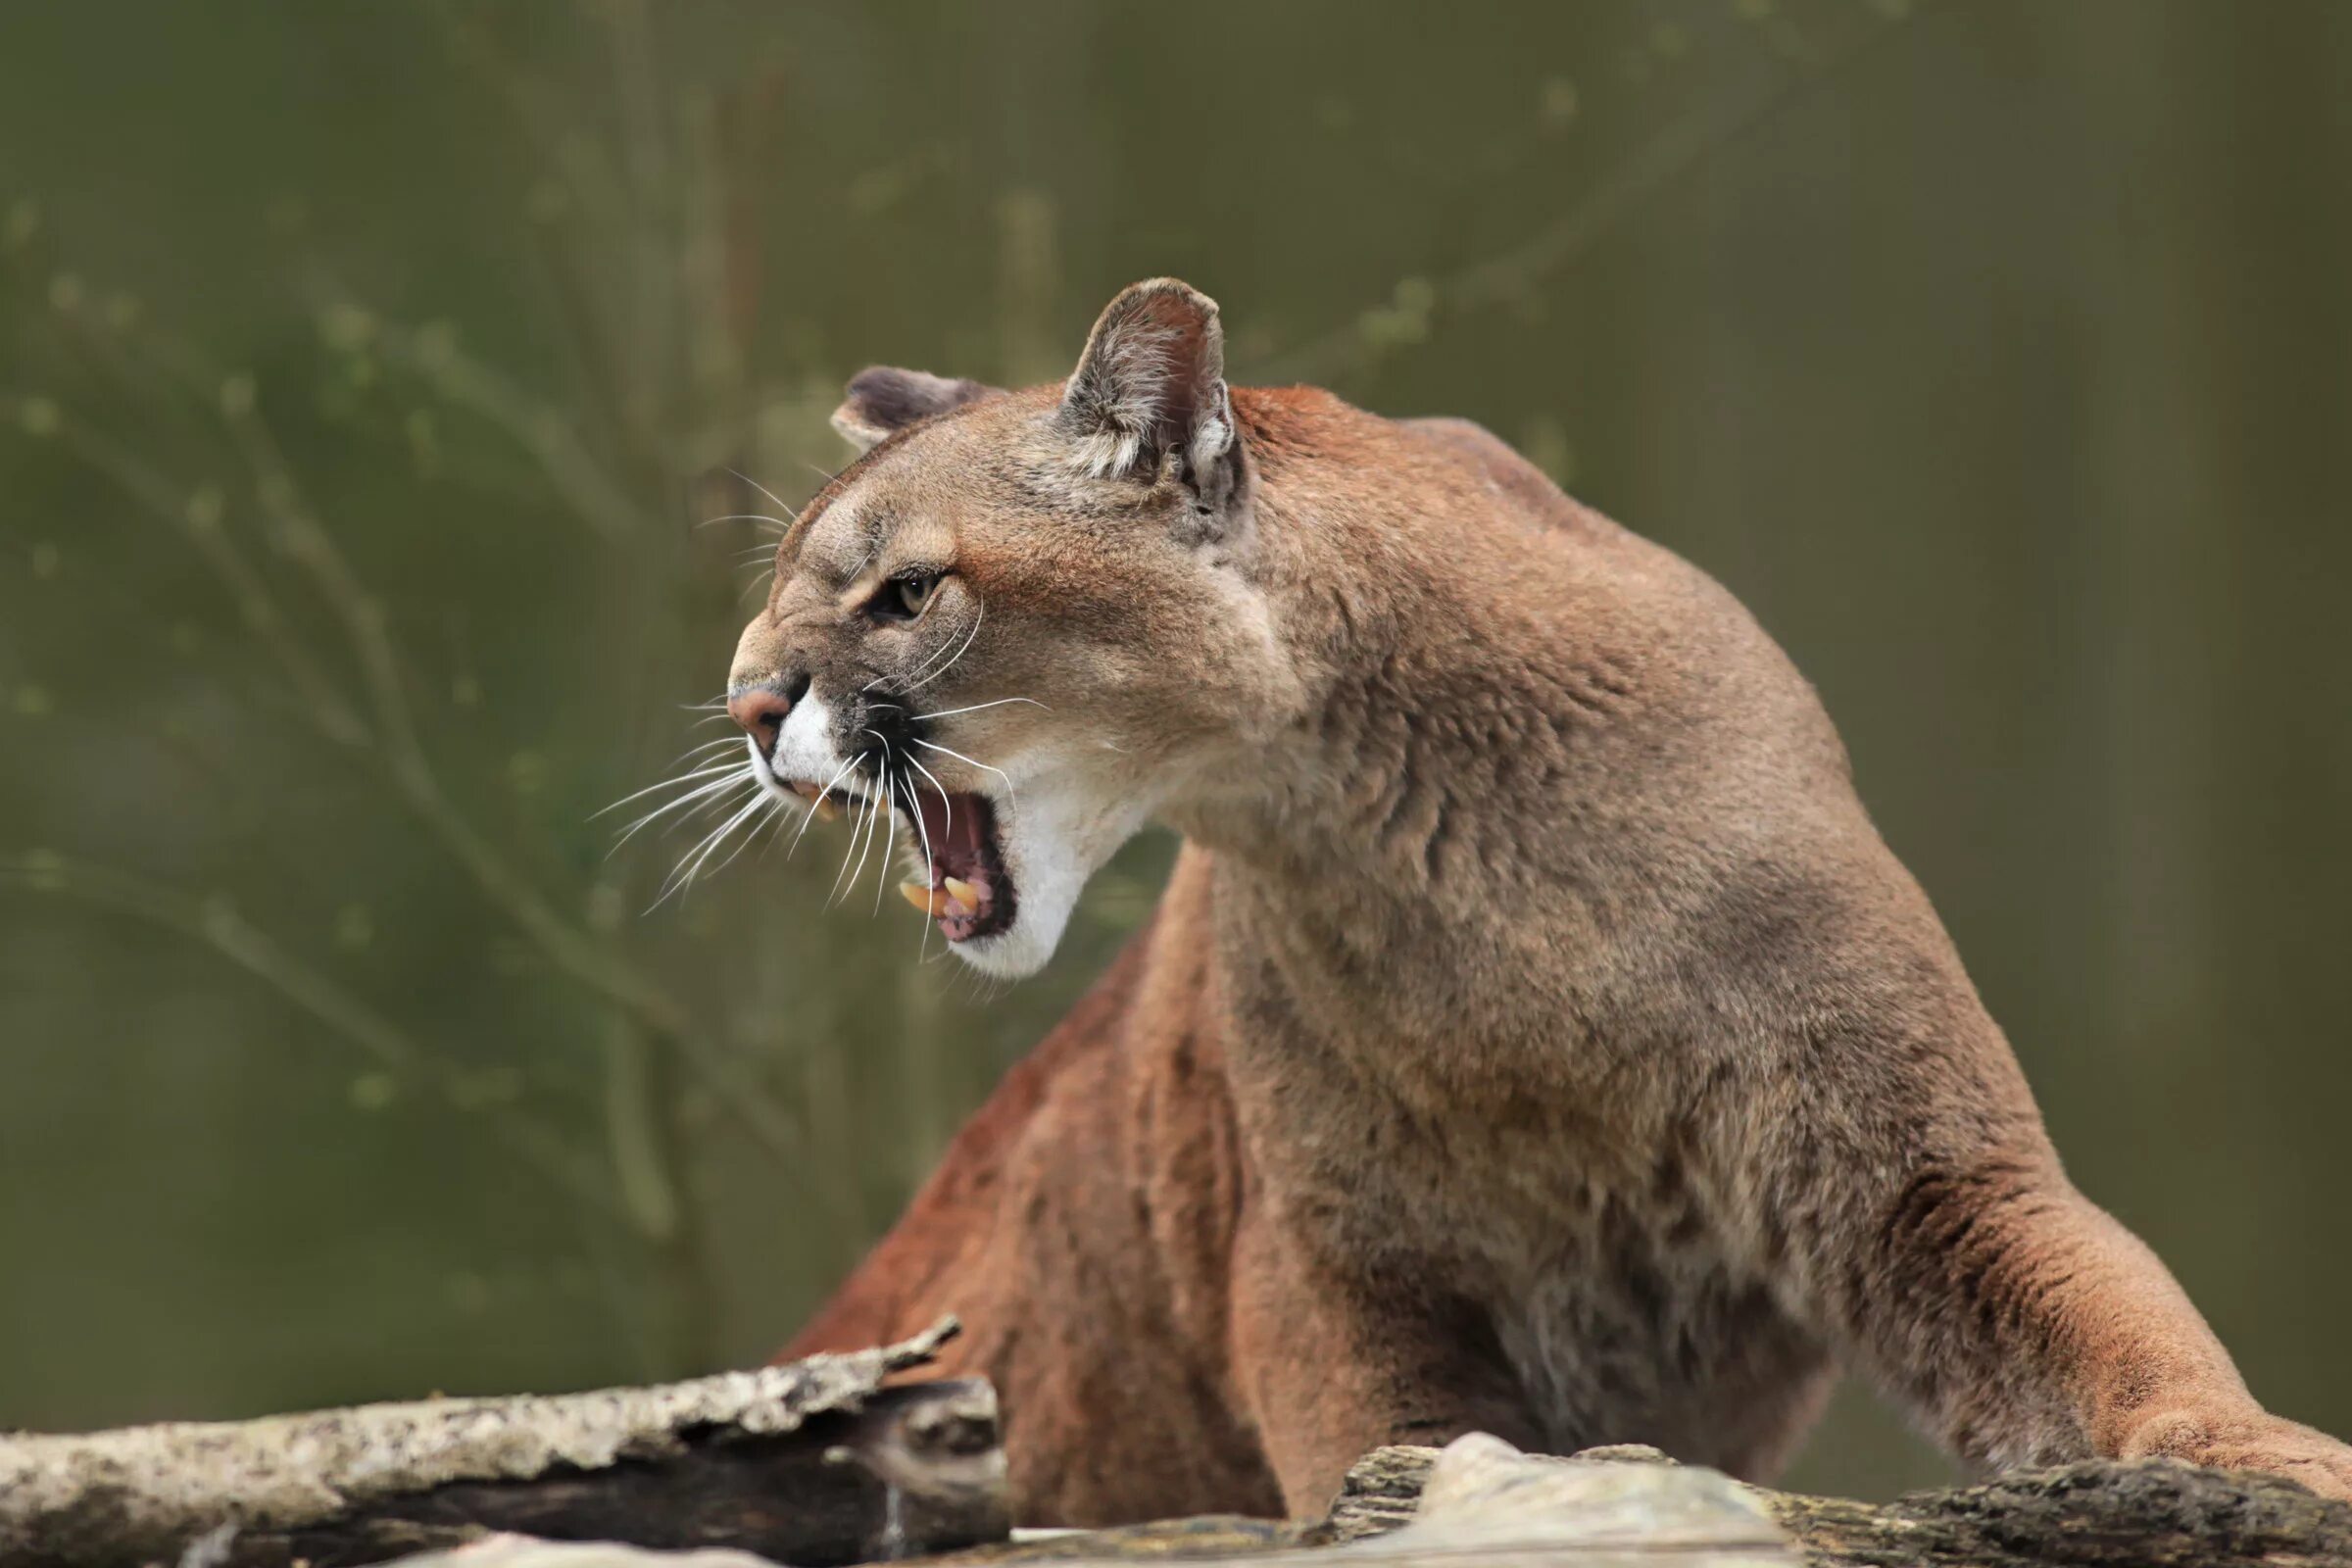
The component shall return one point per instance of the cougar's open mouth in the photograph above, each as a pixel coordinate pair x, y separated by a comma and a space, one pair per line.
969, 894
959, 845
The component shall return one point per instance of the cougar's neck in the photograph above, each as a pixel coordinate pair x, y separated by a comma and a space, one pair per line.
1433, 803
1457, 676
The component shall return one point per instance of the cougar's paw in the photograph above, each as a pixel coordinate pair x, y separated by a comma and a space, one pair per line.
2262, 1443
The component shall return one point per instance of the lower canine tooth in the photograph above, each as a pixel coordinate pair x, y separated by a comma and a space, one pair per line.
961, 891
930, 901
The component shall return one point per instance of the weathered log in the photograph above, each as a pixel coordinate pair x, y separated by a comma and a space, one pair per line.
2098, 1514
1209, 1537
1486, 1505
815, 1463
1479, 1503
1482, 1504
1383, 1491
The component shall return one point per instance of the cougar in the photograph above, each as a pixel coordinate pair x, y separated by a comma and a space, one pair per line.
1534, 1035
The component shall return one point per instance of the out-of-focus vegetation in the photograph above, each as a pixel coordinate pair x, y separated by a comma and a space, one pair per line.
369, 378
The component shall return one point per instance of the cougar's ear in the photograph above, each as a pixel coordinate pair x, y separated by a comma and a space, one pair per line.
1148, 393
883, 400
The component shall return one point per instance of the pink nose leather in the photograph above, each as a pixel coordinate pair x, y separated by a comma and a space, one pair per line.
760, 711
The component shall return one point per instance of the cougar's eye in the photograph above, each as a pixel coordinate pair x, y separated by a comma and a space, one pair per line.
906, 596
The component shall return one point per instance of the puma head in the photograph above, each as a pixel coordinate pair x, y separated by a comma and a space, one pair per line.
1025, 621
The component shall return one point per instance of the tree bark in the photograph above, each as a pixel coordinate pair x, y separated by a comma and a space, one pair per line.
815, 1463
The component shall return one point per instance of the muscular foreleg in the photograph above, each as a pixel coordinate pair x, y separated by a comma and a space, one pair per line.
2026, 1326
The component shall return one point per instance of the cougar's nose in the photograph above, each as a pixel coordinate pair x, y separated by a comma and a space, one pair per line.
760, 711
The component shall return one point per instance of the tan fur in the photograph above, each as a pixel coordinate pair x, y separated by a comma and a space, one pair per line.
1536, 1035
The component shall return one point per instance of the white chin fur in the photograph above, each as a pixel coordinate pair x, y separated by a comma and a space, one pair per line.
1053, 835
765, 776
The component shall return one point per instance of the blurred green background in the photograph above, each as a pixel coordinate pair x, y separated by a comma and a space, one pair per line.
366, 370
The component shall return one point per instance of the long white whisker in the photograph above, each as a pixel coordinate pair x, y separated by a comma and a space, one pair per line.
861, 835
720, 803
873, 822
923, 670
948, 666
708, 796
700, 769
680, 879
782, 818
951, 713
671, 880
874, 814
772, 494
890, 844
677, 877
812, 816
881, 544
983, 766
712, 771
717, 841
930, 868
946, 803
749, 516
705, 749
961, 648
749, 839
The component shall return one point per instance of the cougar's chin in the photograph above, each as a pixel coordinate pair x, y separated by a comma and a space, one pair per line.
1006, 869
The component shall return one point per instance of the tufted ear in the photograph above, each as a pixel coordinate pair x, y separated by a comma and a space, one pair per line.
1149, 394
883, 400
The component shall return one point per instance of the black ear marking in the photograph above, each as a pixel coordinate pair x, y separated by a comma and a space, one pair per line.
882, 399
